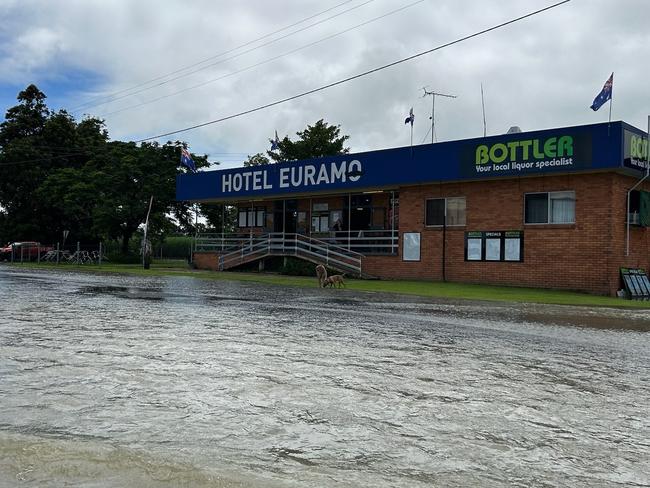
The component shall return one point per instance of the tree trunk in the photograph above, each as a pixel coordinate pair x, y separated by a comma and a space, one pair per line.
126, 237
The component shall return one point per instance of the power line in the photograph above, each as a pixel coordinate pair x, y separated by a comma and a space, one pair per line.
266, 61
360, 75
272, 41
215, 56
226, 157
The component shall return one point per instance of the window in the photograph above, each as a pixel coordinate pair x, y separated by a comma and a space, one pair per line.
320, 223
558, 207
453, 208
251, 217
635, 207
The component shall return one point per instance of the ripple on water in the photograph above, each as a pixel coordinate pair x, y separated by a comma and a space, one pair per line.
139, 381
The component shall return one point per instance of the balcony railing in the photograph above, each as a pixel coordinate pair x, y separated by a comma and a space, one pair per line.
359, 241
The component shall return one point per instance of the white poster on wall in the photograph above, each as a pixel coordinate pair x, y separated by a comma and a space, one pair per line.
474, 249
492, 249
411, 241
512, 249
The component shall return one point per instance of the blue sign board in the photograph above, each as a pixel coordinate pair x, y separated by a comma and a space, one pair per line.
570, 149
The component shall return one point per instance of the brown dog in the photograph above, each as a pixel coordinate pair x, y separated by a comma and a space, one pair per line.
334, 280
321, 274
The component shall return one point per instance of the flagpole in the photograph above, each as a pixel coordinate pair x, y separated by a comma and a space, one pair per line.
610, 106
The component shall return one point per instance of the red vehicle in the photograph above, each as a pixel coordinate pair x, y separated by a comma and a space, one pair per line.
27, 250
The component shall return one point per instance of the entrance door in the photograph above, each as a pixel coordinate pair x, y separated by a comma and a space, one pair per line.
360, 211
285, 214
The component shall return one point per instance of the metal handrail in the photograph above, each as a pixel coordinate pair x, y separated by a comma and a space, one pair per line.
257, 247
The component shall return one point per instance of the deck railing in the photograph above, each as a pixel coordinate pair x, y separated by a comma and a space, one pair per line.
237, 250
363, 242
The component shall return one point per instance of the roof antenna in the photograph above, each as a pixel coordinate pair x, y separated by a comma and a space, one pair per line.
433, 107
483, 105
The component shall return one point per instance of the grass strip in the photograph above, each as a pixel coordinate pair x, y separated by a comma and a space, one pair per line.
434, 289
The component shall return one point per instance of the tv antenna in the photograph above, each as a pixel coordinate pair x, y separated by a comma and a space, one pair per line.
433, 96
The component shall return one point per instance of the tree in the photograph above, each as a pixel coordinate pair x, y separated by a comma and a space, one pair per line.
219, 216
320, 139
256, 160
58, 174
21, 140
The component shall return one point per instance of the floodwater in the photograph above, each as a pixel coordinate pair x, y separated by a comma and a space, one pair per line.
113, 381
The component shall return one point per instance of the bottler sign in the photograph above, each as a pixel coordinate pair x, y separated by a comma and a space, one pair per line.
635, 150
562, 152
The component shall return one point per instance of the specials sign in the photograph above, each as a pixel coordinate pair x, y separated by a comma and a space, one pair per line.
291, 177
527, 155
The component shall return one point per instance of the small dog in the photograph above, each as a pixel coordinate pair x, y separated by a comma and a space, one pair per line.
321, 274
334, 280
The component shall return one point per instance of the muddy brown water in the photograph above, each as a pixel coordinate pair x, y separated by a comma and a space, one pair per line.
166, 382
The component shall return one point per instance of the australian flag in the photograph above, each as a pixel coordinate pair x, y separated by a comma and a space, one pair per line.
604, 95
187, 161
410, 118
275, 143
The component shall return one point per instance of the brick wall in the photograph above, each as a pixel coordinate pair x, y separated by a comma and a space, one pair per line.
583, 256
206, 260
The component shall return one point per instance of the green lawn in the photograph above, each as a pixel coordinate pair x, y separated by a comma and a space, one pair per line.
419, 288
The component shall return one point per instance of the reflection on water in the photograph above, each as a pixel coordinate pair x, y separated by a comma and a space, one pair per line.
129, 381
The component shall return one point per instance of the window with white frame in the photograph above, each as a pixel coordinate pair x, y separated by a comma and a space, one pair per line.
251, 217
556, 207
445, 211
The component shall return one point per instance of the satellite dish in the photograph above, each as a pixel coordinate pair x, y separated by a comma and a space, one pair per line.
515, 129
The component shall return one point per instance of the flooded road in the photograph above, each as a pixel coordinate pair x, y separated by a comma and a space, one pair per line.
111, 381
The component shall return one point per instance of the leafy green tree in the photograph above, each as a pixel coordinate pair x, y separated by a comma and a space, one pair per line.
217, 215
256, 160
57, 174
320, 139
21, 140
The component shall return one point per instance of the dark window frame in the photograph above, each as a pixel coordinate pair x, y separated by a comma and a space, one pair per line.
549, 212
445, 212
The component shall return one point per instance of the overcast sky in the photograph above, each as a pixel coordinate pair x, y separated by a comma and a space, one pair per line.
539, 73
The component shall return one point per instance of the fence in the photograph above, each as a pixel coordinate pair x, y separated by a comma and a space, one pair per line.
33, 252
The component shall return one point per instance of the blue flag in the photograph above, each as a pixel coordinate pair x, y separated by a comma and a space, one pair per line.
275, 143
410, 118
604, 95
187, 161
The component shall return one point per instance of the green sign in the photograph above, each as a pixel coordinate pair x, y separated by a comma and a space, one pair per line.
635, 150
513, 156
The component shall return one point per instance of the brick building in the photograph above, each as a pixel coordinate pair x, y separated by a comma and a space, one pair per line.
542, 209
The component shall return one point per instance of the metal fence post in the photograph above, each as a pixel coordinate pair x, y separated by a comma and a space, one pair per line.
78, 251
22, 248
100, 253
57, 253
38, 255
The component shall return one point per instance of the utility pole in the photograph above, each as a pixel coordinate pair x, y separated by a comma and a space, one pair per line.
433, 96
